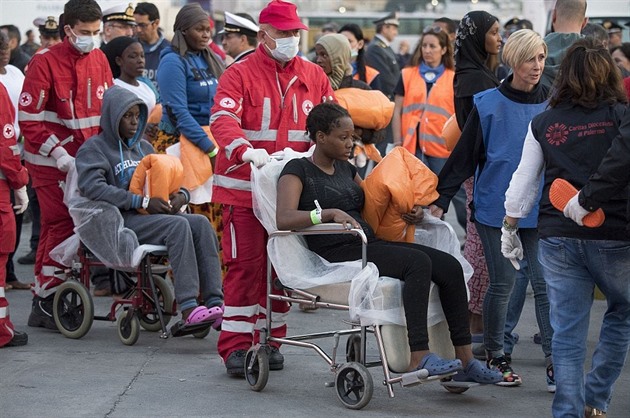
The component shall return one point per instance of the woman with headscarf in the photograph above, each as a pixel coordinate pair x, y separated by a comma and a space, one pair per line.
188, 75
333, 54
477, 39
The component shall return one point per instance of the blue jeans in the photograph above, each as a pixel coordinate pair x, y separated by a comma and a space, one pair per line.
524, 276
572, 268
502, 277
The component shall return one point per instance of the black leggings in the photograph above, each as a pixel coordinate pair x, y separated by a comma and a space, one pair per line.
414, 264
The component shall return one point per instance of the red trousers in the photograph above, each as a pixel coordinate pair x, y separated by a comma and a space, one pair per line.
7, 245
244, 249
56, 226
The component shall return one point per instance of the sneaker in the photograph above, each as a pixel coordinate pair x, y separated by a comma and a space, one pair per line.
19, 339
508, 357
479, 351
551, 380
589, 412
27, 258
276, 359
509, 377
235, 363
41, 313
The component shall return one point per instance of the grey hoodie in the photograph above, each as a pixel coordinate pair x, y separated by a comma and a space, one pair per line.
105, 163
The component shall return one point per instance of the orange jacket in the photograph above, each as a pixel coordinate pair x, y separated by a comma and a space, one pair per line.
157, 175
398, 183
430, 112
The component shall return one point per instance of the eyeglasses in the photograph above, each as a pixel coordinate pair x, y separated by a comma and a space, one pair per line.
145, 25
432, 29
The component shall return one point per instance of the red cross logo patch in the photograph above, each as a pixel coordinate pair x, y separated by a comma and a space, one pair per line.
8, 131
26, 99
307, 106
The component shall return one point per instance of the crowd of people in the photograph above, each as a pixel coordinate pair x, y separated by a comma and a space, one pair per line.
525, 109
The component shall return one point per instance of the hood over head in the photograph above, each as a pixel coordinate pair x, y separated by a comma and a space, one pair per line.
116, 102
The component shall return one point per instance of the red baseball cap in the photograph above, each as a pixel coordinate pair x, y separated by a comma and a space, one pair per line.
282, 15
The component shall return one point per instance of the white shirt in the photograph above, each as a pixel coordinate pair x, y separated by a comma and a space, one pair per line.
144, 92
13, 81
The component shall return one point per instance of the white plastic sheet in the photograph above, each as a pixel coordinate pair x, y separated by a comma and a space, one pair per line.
100, 226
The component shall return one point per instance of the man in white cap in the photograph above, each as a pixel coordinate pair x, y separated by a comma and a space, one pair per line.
48, 31
238, 36
260, 107
118, 21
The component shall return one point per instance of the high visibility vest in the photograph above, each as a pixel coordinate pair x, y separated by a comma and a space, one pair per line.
370, 74
431, 112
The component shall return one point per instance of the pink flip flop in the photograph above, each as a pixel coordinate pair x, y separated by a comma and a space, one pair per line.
203, 314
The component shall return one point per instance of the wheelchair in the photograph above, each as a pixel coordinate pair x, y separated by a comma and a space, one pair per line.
73, 308
353, 382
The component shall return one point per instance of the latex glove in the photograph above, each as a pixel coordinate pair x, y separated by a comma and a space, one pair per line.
64, 160
575, 211
258, 157
21, 200
511, 247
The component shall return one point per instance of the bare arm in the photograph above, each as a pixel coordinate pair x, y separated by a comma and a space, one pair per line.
288, 217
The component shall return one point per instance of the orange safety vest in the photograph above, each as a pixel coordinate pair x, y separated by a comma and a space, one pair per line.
370, 74
430, 112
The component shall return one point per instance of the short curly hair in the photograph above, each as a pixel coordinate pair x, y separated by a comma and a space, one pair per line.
323, 118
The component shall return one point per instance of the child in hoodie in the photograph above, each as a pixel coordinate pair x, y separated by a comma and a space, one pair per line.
105, 165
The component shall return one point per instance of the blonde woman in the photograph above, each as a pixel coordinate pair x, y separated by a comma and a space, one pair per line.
490, 148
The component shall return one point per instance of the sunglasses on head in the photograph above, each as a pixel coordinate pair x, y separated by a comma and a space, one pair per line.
432, 29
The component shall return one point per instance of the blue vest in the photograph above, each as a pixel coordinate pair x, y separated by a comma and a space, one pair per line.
504, 125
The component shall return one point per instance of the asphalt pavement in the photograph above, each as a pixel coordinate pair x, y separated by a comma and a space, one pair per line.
98, 376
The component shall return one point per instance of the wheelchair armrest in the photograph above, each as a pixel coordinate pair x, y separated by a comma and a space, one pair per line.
323, 229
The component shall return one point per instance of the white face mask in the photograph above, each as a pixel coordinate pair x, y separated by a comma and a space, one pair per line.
354, 53
286, 48
85, 43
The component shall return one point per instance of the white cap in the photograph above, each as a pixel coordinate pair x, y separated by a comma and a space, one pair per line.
122, 13
239, 24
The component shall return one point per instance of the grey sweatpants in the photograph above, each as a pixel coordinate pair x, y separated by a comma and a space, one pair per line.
193, 250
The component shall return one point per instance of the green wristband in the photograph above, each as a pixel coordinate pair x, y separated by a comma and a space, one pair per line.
316, 217
214, 152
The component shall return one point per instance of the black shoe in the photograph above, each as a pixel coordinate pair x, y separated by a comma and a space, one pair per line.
19, 339
276, 359
41, 313
28, 258
235, 363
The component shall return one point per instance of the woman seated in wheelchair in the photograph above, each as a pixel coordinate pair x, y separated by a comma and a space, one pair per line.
105, 165
328, 178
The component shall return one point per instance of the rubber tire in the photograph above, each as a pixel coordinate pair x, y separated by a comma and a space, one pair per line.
151, 321
354, 385
73, 309
128, 335
258, 376
353, 348
202, 334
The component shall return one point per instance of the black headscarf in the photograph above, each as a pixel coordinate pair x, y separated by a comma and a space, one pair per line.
115, 48
471, 73
189, 16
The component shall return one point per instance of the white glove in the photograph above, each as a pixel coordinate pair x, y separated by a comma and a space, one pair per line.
21, 200
258, 157
511, 247
575, 211
64, 160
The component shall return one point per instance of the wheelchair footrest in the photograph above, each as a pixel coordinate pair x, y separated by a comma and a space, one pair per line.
180, 328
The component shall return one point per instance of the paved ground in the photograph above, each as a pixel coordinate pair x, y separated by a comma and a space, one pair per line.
97, 376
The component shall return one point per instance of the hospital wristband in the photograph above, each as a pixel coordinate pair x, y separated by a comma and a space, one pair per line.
145, 202
316, 217
214, 152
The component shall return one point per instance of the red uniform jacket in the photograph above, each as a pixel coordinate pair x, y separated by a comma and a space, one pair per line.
259, 104
60, 105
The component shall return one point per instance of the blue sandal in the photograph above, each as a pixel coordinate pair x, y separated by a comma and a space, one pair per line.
475, 372
436, 365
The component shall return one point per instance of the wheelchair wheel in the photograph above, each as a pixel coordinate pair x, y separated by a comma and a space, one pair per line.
354, 385
128, 328
150, 320
73, 309
353, 348
257, 373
